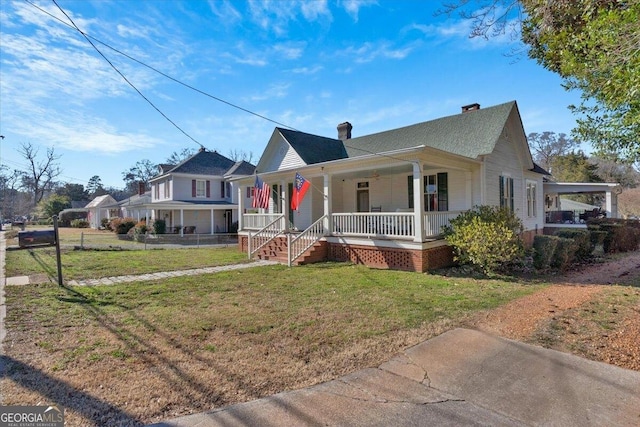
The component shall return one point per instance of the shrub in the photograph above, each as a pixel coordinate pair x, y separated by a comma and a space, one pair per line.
139, 231
486, 237
582, 239
80, 223
122, 226
104, 224
543, 249
564, 253
159, 226
621, 235
553, 252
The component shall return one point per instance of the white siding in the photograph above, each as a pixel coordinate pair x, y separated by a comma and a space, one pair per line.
280, 155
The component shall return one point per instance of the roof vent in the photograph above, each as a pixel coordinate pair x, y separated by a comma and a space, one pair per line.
344, 131
470, 107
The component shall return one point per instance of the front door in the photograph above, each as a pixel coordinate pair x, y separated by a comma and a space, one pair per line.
363, 197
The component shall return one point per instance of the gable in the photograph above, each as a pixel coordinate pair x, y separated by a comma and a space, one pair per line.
278, 155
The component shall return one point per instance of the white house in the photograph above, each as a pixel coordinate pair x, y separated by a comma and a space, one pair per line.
195, 196
382, 199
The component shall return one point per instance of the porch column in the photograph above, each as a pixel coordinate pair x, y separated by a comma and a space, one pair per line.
611, 204
285, 204
212, 221
328, 209
418, 202
181, 222
240, 207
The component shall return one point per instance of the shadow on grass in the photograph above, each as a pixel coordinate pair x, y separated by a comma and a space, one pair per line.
64, 394
190, 387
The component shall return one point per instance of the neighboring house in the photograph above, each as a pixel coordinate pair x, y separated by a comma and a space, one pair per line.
382, 199
197, 195
100, 208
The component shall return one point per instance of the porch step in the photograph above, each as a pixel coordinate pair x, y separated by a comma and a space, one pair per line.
277, 252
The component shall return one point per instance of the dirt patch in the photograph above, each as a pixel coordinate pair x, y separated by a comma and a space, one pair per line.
582, 314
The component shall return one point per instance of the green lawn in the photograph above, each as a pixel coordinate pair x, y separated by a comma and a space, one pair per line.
93, 264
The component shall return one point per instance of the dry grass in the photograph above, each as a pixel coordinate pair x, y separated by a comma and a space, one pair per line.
143, 352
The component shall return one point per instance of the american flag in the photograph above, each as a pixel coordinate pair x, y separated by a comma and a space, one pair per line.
261, 194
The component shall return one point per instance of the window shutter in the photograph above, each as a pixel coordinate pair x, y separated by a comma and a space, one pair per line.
501, 191
511, 193
443, 192
208, 189
222, 195
193, 188
410, 190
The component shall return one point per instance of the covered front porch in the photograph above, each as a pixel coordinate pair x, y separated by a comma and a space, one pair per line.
390, 205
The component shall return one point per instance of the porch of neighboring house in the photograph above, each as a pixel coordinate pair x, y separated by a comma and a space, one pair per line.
386, 218
196, 220
565, 213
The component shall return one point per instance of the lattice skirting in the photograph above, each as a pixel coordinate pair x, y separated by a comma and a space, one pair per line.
392, 258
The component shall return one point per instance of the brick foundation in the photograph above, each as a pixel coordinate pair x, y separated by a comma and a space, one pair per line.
392, 258
418, 260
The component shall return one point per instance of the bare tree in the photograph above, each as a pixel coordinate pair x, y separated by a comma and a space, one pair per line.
548, 145
42, 174
176, 158
237, 155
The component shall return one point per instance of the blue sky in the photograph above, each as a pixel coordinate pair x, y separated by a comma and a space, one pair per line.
308, 65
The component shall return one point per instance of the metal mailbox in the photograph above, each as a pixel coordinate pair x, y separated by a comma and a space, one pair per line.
27, 239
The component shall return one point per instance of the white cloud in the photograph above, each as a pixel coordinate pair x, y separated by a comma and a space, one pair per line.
313, 10
308, 70
352, 7
290, 50
225, 11
275, 91
369, 52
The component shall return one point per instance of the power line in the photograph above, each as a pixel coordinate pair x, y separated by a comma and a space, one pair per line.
162, 73
125, 78
88, 37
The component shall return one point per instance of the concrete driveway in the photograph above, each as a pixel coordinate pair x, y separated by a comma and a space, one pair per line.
462, 377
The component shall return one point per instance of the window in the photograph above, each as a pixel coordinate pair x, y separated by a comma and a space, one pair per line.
531, 199
156, 190
506, 192
201, 188
436, 192
167, 190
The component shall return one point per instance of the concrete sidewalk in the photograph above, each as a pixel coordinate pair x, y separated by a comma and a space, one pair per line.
24, 280
462, 377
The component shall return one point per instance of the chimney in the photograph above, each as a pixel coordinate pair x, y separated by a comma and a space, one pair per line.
470, 107
344, 131
141, 188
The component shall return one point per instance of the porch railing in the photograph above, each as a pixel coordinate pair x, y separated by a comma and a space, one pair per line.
434, 221
387, 224
261, 238
299, 244
259, 221
393, 225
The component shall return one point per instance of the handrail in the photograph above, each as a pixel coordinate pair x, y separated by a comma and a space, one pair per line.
298, 245
264, 235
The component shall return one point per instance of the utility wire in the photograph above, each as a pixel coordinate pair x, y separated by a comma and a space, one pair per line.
125, 78
164, 74
87, 36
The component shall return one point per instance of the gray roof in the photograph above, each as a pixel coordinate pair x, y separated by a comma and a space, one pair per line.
313, 148
208, 163
241, 168
468, 134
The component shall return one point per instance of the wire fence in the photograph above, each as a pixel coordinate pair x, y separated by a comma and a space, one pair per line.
148, 241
